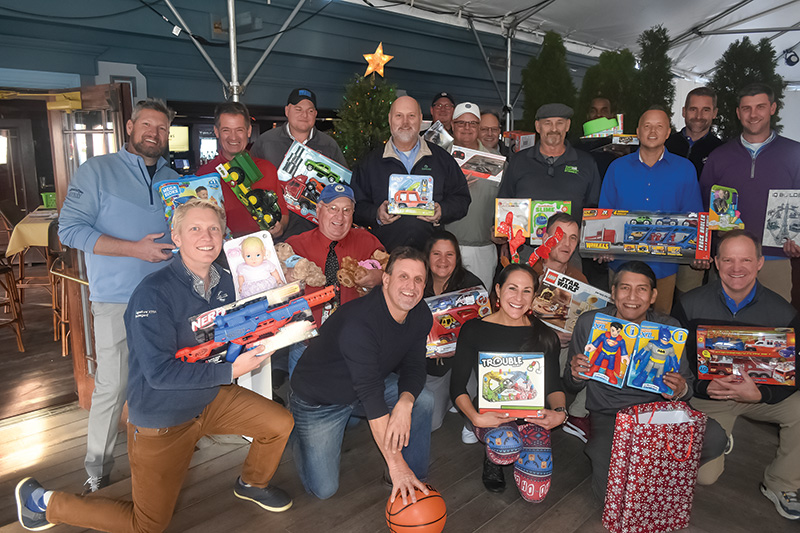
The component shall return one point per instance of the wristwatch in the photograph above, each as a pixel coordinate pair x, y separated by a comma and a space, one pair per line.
562, 410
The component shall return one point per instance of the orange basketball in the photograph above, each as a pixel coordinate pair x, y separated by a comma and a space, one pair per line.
427, 515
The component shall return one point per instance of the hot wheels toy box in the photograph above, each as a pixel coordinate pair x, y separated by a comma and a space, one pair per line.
511, 383
646, 235
450, 311
767, 355
411, 195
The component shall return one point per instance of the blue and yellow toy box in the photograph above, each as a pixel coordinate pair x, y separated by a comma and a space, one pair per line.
611, 344
659, 351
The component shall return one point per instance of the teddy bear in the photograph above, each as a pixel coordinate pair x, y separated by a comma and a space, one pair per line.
296, 268
350, 270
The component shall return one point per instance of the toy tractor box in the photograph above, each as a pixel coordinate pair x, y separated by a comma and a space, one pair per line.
646, 235
411, 194
240, 174
511, 383
450, 311
659, 351
767, 355
610, 347
562, 299
512, 215
477, 164
723, 209
303, 174
540, 212
782, 222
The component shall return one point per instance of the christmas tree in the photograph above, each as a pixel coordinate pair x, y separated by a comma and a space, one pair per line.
363, 118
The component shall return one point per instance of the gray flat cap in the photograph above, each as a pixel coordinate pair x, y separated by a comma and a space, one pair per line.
554, 110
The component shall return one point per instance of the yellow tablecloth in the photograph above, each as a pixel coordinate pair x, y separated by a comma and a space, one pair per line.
31, 231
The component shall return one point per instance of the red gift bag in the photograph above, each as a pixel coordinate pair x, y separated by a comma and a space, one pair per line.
654, 460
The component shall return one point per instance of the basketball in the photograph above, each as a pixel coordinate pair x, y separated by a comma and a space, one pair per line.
427, 515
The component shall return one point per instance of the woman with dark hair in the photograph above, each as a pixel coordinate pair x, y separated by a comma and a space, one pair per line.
512, 329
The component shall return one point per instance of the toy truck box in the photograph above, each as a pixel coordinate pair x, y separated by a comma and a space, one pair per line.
303, 174
411, 194
541, 212
479, 164
562, 299
723, 212
646, 235
450, 311
659, 351
515, 214
241, 173
611, 345
767, 355
511, 383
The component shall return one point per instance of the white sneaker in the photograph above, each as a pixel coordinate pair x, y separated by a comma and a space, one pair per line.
468, 436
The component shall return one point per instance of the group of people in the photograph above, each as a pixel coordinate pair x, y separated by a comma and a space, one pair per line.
369, 357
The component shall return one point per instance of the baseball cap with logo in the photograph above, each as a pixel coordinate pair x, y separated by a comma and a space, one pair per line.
466, 107
336, 190
298, 95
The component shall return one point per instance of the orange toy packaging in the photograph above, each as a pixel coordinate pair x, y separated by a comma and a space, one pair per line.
450, 311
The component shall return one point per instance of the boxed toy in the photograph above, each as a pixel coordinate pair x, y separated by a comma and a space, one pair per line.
511, 383
562, 299
519, 140
450, 311
782, 222
410, 194
178, 191
609, 348
540, 212
723, 214
646, 235
303, 174
767, 355
254, 264
475, 163
241, 174
439, 136
512, 214
603, 127
659, 351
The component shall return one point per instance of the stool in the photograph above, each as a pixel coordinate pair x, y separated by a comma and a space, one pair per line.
60, 308
11, 301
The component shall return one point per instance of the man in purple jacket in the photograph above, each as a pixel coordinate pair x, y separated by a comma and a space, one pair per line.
754, 163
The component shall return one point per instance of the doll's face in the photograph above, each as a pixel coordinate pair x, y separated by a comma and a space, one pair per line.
253, 255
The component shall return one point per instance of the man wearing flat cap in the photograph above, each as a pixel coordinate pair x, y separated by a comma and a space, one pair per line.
552, 169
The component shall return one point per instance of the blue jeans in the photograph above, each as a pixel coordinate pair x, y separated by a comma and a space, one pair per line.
295, 351
319, 431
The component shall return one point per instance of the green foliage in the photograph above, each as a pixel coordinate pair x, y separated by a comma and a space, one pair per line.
656, 85
743, 63
363, 118
614, 77
547, 79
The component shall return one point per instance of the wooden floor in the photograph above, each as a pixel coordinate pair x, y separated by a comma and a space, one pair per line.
51, 448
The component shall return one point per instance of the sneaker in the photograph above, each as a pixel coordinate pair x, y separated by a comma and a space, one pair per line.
729, 445
31, 508
269, 498
579, 427
468, 436
787, 504
95, 483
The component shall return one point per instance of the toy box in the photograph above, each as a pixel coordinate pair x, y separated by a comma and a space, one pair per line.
540, 212
562, 299
175, 192
659, 351
240, 174
477, 164
253, 263
303, 174
782, 222
450, 311
767, 355
438, 136
646, 235
519, 140
519, 211
723, 214
511, 383
611, 344
410, 194
603, 127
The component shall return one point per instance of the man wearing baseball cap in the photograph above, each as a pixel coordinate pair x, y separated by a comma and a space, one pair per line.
442, 107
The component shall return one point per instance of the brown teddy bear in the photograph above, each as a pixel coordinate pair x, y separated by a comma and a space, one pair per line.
296, 268
350, 270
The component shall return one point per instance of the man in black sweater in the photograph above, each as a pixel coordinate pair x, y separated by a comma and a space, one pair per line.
368, 360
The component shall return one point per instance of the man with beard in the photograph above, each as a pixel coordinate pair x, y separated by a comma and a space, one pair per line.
407, 153
696, 140
113, 213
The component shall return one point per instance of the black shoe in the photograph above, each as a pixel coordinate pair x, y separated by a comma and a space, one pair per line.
493, 478
269, 498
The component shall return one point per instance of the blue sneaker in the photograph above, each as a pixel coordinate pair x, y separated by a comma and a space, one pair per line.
30, 505
269, 498
786, 503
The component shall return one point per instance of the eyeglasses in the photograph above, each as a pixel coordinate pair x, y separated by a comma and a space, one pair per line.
465, 123
495, 131
335, 210
443, 106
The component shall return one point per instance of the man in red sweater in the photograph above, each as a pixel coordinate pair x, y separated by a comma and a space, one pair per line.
232, 128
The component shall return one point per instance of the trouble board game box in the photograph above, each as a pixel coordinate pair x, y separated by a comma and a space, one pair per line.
477, 164
411, 194
646, 235
723, 209
767, 355
511, 383
541, 212
659, 350
562, 299
450, 311
611, 344
515, 213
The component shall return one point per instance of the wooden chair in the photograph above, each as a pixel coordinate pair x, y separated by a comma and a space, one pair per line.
11, 303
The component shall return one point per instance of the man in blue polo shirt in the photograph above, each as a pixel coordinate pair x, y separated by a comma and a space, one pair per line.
653, 179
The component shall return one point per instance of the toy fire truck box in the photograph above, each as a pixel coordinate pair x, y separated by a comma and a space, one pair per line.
515, 213
782, 221
450, 311
519, 140
659, 351
411, 194
479, 164
767, 355
511, 383
610, 347
562, 299
303, 174
540, 212
723, 213
646, 235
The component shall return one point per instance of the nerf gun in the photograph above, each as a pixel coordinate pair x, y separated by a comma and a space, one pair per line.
252, 323
241, 173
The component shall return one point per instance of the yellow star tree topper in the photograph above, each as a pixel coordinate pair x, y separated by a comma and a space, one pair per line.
376, 61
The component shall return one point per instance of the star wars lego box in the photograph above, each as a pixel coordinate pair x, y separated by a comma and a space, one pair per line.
611, 344
511, 383
782, 222
659, 351
450, 311
411, 194
541, 212
646, 235
723, 209
767, 355
562, 299
512, 214
477, 164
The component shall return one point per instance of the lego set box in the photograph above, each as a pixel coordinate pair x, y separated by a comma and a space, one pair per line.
410, 194
646, 235
562, 299
541, 212
767, 355
515, 214
479, 164
450, 311
303, 174
511, 383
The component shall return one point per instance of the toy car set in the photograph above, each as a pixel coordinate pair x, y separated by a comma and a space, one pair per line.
479, 164
450, 311
411, 195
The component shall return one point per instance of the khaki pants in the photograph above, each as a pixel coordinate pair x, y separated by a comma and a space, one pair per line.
160, 458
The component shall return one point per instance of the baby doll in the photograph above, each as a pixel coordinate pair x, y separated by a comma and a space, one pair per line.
257, 273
